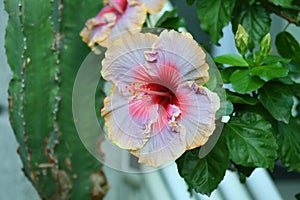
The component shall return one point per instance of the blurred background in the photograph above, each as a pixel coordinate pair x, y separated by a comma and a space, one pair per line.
162, 184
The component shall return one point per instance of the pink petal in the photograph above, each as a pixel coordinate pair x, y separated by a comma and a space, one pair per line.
124, 61
116, 19
142, 110
97, 30
120, 5
198, 108
124, 131
154, 6
131, 21
163, 146
180, 50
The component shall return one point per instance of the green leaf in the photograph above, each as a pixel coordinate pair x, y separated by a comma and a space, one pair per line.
255, 20
190, 2
227, 72
270, 71
265, 45
240, 99
297, 196
288, 47
286, 80
296, 90
214, 15
242, 82
247, 171
273, 59
288, 140
171, 20
283, 3
278, 100
244, 172
167, 15
241, 39
250, 140
232, 59
173, 23
204, 175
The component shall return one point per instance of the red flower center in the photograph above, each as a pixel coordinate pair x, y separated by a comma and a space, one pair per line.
161, 95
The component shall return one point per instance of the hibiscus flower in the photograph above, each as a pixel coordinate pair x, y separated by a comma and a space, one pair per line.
158, 107
117, 17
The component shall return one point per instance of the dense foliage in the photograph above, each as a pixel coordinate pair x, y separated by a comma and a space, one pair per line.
263, 87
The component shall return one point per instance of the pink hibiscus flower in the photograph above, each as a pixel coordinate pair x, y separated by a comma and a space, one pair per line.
158, 107
116, 17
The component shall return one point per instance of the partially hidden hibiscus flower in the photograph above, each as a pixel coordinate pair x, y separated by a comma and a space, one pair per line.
117, 17
158, 107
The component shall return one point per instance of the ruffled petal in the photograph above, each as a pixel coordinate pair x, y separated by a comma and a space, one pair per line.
97, 30
185, 54
117, 19
163, 146
125, 62
131, 21
198, 107
154, 6
119, 5
126, 132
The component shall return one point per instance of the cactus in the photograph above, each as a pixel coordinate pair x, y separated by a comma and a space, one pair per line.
44, 52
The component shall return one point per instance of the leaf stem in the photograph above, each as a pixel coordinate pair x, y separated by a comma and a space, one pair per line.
286, 27
279, 11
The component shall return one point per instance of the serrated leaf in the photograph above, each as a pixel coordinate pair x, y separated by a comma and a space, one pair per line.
250, 140
171, 20
232, 59
244, 172
255, 20
283, 3
241, 99
214, 15
242, 82
247, 171
286, 80
204, 175
273, 59
288, 140
278, 100
173, 23
227, 72
288, 47
270, 71
296, 90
